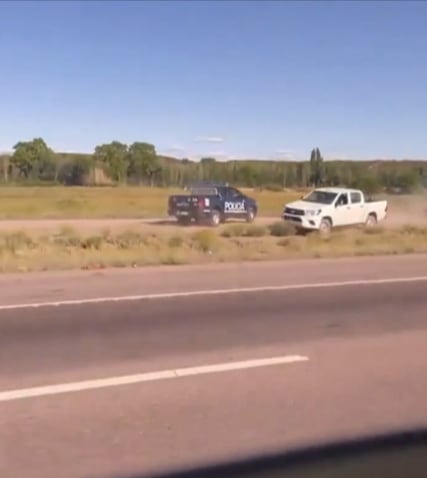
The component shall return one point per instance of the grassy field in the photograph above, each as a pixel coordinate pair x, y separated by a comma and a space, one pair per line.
68, 249
106, 202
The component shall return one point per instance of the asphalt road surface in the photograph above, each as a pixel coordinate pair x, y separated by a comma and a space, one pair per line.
278, 355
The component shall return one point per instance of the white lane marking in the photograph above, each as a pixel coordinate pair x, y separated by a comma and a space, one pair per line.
10, 395
193, 293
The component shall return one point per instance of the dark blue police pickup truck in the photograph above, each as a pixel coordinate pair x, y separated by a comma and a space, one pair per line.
213, 204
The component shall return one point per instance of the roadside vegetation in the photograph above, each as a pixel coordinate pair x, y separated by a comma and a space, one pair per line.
69, 249
116, 163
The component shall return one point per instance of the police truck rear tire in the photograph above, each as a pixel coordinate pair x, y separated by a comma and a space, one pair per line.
215, 218
250, 215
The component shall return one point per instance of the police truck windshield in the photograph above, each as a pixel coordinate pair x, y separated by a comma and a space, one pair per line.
204, 191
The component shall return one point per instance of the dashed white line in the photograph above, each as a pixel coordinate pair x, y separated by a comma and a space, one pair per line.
207, 292
11, 395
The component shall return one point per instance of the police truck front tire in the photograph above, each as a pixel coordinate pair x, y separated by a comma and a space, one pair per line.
215, 218
250, 215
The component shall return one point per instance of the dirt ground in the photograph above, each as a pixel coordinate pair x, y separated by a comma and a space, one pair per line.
407, 210
402, 211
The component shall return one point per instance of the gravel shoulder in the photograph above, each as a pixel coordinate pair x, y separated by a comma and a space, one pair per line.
397, 218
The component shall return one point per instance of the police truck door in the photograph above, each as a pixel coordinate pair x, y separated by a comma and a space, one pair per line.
234, 203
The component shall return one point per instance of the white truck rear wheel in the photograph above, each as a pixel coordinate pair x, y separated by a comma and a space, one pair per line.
371, 221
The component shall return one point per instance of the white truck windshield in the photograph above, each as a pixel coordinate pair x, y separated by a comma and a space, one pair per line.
321, 197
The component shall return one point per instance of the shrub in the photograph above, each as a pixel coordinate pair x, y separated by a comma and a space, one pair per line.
14, 241
67, 241
206, 241
176, 241
280, 229
244, 230
67, 237
92, 242
285, 242
255, 231
67, 230
129, 240
414, 230
233, 230
171, 260
374, 230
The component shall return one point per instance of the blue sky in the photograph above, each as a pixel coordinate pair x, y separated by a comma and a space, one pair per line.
231, 79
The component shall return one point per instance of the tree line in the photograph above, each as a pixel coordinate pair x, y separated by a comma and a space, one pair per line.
34, 162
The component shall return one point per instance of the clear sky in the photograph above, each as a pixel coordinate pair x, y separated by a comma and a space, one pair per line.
231, 79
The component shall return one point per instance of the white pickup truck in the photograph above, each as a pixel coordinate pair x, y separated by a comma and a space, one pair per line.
325, 208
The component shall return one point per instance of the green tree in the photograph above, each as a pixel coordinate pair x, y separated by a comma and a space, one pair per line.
408, 182
368, 184
114, 156
291, 176
248, 175
34, 159
317, 169
5, 166
302, 175
76, 171
144, 163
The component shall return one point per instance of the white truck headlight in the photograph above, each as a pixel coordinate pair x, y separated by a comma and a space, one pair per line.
313, 212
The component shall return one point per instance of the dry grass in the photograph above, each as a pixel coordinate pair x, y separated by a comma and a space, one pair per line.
244, 230
80, 202
68, 249
106, 202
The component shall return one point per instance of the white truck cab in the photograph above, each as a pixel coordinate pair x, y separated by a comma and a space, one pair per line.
325, 208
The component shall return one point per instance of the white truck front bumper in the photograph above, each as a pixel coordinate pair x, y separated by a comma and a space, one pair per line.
303, 222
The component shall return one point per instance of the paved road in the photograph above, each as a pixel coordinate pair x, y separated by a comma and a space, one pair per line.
76, 285
365, 371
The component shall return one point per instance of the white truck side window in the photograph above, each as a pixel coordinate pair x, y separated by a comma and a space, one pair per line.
342, 200
356, 198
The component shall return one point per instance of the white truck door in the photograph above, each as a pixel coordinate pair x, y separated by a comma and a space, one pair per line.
343, 209
357, 210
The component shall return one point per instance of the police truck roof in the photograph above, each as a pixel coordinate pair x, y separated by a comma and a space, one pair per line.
208, 184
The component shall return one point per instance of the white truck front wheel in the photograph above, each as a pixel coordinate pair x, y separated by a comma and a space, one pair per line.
325, 226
